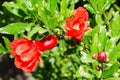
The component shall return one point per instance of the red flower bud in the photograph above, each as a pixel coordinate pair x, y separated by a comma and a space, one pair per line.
94, 56
98, 68
47, 43
107, 60
102, 56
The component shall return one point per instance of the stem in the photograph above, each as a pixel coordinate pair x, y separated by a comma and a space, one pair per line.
102, 69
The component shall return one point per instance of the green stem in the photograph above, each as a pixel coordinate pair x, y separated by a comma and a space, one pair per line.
102, 69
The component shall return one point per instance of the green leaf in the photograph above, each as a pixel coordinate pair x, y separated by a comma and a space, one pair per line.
89, 7
98, 19
110, 44
42, 13
85, 58
112, 78
94, 46
94, 5
102, 38
13, 8
2, 49
52, 21
63, 7
110, 14
36, 29
7, 42
114, 54
22, 5
52, 4
94, 70
110, 71
115, 25
14, 28
107, 4
98, 6
101, 4
84, 73
62, 46
20, 2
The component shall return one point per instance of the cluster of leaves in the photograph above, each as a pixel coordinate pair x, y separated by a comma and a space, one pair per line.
68, 60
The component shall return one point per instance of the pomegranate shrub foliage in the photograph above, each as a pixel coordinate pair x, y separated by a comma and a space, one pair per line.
64, 39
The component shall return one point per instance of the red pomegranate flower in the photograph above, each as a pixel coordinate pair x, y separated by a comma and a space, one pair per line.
77, 25
26, 53
47, 43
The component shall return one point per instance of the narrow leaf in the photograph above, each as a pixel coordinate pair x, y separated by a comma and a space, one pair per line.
7, 42
2, 49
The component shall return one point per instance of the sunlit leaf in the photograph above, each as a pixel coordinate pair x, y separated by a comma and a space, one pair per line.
111, 71
115, 25
36, 29
14, 28
13, 8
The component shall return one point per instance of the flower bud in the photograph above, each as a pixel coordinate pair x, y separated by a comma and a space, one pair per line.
98, 67
47, 43
102, 56
107, 60
94, 56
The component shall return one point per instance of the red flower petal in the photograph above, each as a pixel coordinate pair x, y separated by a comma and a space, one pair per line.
82, 13
18, 62
22, 48
13, 52
47, 43
30, 67
28, 55
77, 25
16, 42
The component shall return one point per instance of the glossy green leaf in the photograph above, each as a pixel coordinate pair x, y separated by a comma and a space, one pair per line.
2, 49
13, 8
110, 14
98, 6
63, 7
94, 5
115, 25
94, 46
110, 44
14, 28
89, 7
62, 46
85, 58
52, 4
84, 73
101, 4
111, 71
43, 14
6, 42
114, 54
52, 21
107, 4
22, 4
98, 19
36, 29
112, 78
102, 38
